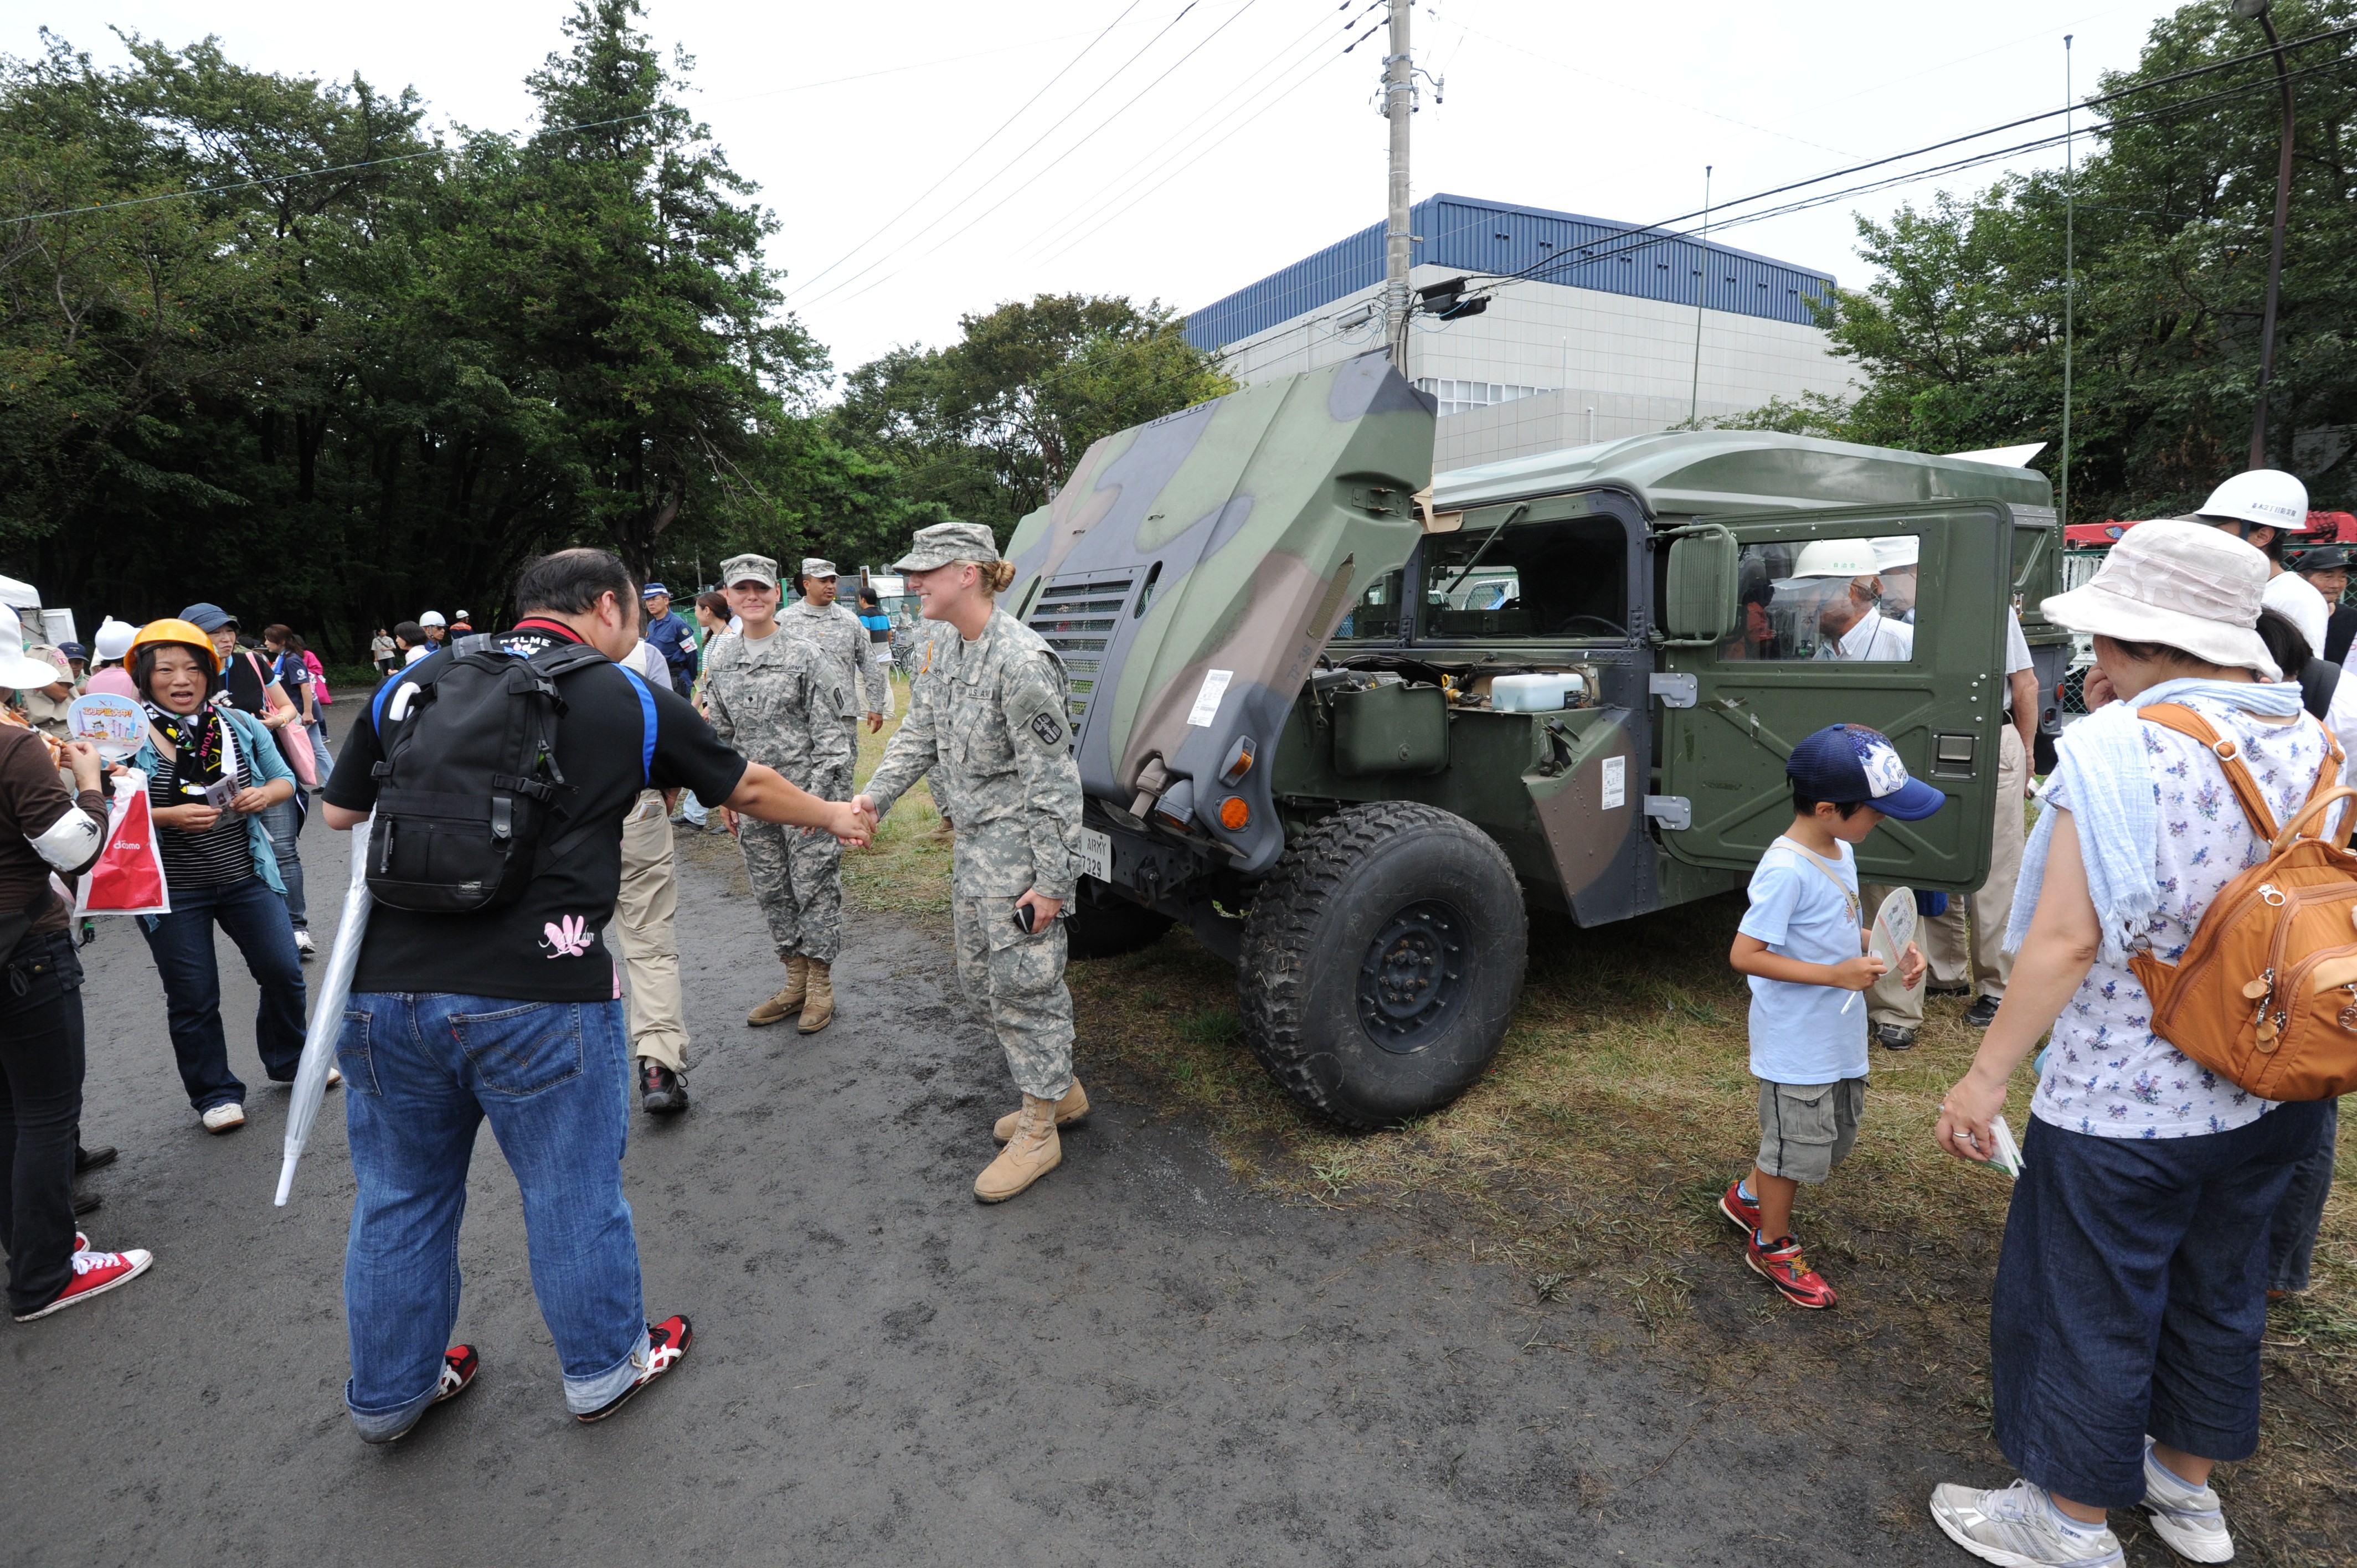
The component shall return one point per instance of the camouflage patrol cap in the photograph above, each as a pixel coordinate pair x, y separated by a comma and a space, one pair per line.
749, 569
946, 542
814, 567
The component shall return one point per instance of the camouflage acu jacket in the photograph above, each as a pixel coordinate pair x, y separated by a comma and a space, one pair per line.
761, 697
845, 642
990, 720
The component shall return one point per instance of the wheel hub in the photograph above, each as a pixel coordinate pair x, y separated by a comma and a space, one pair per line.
1412, 980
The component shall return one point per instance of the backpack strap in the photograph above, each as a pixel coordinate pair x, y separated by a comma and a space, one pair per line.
2187, 723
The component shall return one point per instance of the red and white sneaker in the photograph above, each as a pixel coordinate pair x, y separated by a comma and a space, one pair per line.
95, 1273
1781, 1265
459, 1366
1744, 1211
666, 1342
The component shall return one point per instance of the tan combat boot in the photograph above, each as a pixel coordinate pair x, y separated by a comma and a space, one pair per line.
786, 1002
818, 1007
1068, 1110
1030, 1154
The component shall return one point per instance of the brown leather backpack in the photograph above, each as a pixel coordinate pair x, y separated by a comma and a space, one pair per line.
2266, 993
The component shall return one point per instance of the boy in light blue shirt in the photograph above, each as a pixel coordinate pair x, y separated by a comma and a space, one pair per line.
1802, 943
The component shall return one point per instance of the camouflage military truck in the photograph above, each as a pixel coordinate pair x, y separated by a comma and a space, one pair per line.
1349, 723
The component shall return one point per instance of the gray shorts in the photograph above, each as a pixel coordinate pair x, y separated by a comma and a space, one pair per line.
1807, 1128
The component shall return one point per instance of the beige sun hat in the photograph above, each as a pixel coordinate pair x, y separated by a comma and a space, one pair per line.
2180, 584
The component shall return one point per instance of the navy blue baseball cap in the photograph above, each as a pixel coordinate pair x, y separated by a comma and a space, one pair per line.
1845, 763
208, 617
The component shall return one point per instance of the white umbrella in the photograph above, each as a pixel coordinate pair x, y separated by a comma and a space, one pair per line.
328, 1015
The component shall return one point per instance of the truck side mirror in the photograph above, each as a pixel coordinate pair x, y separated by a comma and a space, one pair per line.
1700, 608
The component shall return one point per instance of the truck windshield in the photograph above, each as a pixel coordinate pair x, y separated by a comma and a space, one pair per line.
1565, 579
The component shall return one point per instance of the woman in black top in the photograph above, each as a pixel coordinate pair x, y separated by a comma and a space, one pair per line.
43, 829
212, 773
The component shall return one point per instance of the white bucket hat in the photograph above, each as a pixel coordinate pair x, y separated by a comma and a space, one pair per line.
20, 671
2179, 583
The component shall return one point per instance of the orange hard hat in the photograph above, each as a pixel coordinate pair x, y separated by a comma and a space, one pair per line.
172, 629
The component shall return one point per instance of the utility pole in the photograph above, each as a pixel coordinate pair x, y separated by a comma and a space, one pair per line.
1702, 293
2258, 9
1399, 102
2070, 276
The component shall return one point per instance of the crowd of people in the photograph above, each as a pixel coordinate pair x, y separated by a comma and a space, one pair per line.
2159, 1202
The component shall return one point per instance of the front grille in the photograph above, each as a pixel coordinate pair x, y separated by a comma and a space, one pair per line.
1077, 617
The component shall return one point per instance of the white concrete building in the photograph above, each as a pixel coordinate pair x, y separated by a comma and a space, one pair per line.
1594, 339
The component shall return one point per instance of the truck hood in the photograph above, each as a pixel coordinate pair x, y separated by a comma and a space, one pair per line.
1191, 570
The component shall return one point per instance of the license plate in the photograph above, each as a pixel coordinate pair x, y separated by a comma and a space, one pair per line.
1096, 854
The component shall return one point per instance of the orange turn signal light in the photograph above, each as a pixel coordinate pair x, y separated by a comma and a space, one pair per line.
1235, 814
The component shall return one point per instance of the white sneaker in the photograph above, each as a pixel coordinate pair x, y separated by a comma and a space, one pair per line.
2188, 1517
302, 943
2019, 1527
334, 1077
227, 1117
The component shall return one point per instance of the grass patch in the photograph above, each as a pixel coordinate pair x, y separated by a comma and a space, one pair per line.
1587, 1163
906, 871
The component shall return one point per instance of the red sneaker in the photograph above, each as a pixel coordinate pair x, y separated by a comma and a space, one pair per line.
1781, 1265
95, 1273
460, 1365
1744, 1211
666, 1342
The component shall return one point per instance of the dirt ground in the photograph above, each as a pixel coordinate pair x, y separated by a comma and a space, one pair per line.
1511, 1333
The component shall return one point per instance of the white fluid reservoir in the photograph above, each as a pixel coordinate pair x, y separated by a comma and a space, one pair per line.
1534, 693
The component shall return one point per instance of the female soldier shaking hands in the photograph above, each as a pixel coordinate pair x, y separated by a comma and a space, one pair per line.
997, 724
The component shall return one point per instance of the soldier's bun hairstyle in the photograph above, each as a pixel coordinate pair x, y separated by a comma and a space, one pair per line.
996, 576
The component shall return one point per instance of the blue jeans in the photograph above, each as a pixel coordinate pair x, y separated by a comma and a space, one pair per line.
421, 1072
255, 919
2130, 1296
2291, 1238
284, 821
325, 764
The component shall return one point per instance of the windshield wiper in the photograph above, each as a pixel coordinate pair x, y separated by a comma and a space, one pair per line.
1495, 535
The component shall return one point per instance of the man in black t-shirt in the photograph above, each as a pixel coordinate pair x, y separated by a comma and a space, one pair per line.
513, 1014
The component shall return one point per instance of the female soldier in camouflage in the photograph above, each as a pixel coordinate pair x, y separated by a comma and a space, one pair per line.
774, 697
991, 724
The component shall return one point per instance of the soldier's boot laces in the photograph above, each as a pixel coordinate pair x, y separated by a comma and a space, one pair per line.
818, 1006
1030, 1154
786, 1002
1068, 1110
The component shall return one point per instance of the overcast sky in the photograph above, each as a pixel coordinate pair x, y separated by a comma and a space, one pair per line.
1180, 159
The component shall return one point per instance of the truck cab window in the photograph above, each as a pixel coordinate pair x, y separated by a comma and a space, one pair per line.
1376, 617
1567, 579
1833, 599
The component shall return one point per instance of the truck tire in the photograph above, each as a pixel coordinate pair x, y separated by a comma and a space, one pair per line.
1382, 962
1110, 926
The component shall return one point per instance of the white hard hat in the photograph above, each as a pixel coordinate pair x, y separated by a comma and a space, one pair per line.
113, 638
432, 617
464, 615
1836, 558
1893, 550
2267, 497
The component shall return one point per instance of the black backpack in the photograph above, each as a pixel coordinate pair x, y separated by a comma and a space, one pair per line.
469, 782
2318, 678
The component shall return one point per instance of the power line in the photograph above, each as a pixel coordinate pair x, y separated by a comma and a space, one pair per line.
1652, 229
978, 147
1040, 173
1248, 85
1078, 220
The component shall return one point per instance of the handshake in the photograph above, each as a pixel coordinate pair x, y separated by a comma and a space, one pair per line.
767, 795
854, 821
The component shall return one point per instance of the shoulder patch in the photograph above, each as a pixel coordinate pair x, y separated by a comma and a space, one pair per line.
1045, 726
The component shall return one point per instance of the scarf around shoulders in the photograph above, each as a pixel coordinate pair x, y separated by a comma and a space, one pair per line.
2100, 762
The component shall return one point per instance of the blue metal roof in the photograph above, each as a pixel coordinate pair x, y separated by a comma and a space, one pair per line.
1498, 237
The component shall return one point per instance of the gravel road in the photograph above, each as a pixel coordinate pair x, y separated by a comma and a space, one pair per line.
1138, 1362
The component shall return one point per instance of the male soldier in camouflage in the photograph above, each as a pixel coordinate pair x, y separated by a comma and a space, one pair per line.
991, 724
775, 697
818, 618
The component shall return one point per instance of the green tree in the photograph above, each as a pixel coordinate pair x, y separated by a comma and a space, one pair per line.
1958, 339
988, 426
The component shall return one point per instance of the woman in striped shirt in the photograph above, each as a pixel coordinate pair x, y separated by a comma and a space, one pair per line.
212, 772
